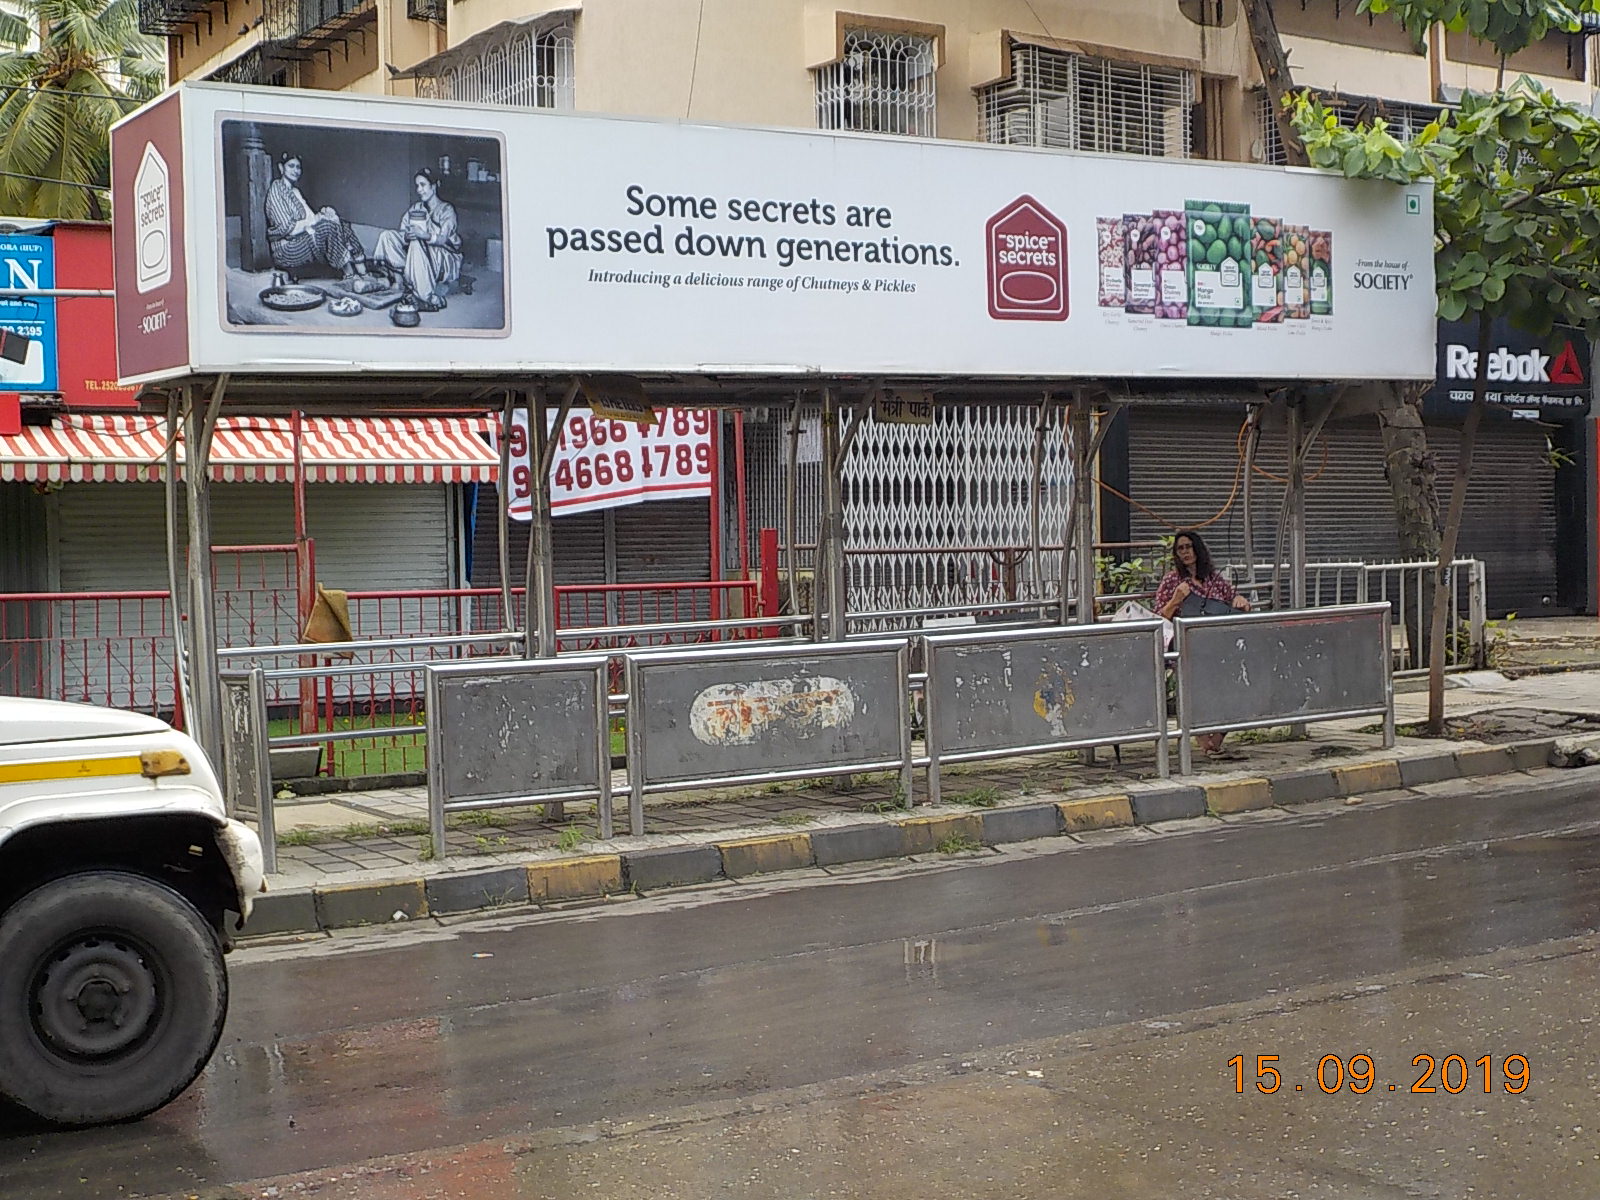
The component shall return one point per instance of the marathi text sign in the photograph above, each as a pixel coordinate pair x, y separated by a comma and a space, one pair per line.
602, 462
698, 250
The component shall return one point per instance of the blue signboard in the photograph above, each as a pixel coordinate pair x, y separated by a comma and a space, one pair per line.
27, 326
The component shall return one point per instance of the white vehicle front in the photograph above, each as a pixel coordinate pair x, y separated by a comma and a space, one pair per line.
120, 874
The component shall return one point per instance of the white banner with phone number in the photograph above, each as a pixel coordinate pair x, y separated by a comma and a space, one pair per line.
604, 463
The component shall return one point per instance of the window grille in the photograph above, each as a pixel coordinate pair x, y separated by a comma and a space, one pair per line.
1075, 102
528, 68
1405, 120
883, 84
426, 10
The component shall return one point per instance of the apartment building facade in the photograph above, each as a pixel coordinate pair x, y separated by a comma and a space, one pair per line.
1168, 78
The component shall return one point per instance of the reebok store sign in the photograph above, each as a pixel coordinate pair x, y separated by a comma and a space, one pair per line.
1507, 367
1550, 374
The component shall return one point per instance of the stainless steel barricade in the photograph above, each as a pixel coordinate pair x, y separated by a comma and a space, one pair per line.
1251, 670
997, 693
719, 718
529, 731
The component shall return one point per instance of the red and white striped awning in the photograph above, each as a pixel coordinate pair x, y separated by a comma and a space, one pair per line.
80, 448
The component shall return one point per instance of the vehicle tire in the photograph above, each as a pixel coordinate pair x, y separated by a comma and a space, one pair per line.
112, 998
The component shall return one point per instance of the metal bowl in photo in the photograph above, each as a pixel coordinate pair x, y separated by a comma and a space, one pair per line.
293, 297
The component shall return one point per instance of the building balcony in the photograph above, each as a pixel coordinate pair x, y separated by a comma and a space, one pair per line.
162, 18
426, 10
299, 28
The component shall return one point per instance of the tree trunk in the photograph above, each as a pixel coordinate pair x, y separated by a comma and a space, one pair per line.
1275, 71
1452, 531
1408, 464
1411, 471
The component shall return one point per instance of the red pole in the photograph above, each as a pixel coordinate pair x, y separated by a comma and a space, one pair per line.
769, 579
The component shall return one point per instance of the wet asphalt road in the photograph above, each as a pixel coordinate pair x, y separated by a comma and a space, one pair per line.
1055, 1020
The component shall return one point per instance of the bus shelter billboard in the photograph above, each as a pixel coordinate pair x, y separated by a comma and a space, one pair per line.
274, 231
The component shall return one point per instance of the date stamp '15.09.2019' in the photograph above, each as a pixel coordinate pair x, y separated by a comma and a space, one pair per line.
1453, 1073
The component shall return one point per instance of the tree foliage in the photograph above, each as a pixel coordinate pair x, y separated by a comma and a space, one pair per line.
68, 71
1509, 26
1516, 176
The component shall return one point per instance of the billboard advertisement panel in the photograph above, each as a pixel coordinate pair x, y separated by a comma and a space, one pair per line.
333, 233
148, 248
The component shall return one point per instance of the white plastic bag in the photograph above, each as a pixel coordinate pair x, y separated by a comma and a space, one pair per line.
1132, 610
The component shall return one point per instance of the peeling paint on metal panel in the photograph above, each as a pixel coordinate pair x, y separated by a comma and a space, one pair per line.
1052, 697
736, 714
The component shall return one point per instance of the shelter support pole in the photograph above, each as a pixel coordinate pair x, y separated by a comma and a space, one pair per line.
1036, 501
1297, 505
205, 687
830, 567
1083, 451
1297, 516
305, 571
541, 591
539, 637
503, 512
791, 468
742, 509
714, 530
1083, 505
1252, 439
180, 652
539, 624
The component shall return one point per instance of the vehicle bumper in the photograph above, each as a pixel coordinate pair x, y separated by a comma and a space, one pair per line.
242, 849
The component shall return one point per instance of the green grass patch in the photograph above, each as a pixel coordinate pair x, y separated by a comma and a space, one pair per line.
483, 818
959, 843
572, 837
981, 797
795, 818
394, 754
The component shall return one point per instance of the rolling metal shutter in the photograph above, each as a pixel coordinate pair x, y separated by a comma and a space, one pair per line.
111, 537
369, 537
663, 541
1183, 465
1510, 520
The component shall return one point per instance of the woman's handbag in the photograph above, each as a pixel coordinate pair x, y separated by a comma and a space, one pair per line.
1196, 605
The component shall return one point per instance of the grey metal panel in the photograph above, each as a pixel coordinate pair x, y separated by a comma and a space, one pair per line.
246, 763
993, 692
726, 714
1261, 668
515, 730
